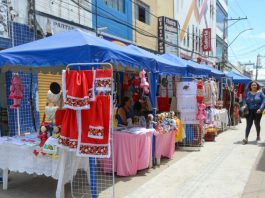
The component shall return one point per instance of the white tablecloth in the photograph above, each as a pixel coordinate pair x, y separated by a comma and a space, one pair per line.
20, 158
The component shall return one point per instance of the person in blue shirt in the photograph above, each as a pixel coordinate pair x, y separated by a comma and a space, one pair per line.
255, 102
124, 112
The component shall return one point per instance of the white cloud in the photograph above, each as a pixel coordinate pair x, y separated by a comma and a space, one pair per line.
261, 35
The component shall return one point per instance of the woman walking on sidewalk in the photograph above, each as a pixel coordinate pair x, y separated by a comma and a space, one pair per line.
255, 102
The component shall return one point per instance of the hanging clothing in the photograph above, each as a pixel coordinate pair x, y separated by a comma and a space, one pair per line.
200, 91
207, 100
163, 86
173, 105
78, 88
163, 104
186, 88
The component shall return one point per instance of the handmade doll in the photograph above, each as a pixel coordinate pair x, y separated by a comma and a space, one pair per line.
43, 136
151, 121
144, 84
16, 91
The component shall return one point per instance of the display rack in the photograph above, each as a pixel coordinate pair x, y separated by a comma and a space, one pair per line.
95, 183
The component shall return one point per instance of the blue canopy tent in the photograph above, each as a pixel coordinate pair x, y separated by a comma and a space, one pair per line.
164, 65
193, 68
215, 72
74, 46
198, 69
238, 78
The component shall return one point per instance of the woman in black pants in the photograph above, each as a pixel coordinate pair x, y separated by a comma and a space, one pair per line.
255, 102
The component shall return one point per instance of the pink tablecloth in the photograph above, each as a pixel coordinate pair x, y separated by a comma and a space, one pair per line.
165, 145
132, 152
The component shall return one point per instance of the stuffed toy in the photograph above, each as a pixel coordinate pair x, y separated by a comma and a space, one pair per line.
144, 84
200, 91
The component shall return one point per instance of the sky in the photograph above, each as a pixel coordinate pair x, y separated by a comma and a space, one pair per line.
249, 43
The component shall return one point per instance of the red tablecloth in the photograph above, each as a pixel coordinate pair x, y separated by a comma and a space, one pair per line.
132, 152
165, 145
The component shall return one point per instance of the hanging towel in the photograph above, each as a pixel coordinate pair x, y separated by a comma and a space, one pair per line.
69, 132
78, 88
95, 136
103, 81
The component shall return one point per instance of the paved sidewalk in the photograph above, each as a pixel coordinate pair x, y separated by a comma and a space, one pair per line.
224, 168
255, 187
220, 169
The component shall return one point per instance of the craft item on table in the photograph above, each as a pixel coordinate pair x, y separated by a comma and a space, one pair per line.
142, 121
200, 91
165, 123
103, 81
16, 91
144, 84
50, 146
43, 136
130, 122
78, 88
150, 121
187, 88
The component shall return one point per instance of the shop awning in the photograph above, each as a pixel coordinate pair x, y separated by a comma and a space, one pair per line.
193, 68
198, 69
238, 78
74, 46
164, 66
215, 72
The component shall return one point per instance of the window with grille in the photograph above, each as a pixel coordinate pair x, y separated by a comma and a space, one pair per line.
116, 4
142, 12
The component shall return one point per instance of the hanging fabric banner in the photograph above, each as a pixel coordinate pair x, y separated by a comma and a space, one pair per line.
206, 40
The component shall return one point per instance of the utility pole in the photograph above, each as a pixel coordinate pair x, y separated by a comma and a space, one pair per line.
225, 30
258, 65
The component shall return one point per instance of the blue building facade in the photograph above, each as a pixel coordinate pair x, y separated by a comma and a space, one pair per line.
21, 33
115, 15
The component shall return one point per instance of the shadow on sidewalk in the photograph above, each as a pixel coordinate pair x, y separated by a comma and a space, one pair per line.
261, 162
254, 142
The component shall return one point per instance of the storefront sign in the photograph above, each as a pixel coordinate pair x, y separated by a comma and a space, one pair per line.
3, 21
206, 40
51, 26
167, 35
